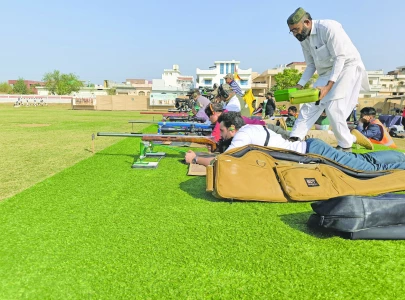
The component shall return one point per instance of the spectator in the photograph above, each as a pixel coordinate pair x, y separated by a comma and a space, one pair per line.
292, 116
373, 129
229, 79
270, 106
258, 110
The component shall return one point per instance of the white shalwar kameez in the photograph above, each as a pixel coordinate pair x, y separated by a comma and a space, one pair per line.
329, 51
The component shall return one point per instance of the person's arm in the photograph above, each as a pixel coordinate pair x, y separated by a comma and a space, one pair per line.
310, 69
192, 157
372, 131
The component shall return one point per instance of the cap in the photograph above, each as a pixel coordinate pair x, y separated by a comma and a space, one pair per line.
229, 75
296, 16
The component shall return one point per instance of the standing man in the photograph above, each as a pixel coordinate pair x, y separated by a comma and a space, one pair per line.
270, 106
329, 51
239, 94
229, 79
227, 95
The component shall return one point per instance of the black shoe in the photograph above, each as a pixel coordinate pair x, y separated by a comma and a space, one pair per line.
294, 139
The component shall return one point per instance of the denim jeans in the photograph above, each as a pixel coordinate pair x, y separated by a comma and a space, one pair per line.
373, 161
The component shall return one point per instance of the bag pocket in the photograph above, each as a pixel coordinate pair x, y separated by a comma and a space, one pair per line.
250, 178
306, 183
209, 179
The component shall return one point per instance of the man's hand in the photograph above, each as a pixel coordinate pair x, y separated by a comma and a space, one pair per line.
365, 119
190, 155
325, 89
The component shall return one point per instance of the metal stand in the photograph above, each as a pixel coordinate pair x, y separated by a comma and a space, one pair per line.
146, 150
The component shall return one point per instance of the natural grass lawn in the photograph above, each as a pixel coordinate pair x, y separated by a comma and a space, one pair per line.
102, 230
38, 142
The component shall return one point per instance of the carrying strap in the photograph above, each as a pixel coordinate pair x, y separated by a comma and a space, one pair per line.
267, 137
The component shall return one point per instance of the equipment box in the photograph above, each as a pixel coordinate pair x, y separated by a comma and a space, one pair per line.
283, 95
304, 96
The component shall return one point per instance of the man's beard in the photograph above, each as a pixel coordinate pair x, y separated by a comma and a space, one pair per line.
222, 144
305, 32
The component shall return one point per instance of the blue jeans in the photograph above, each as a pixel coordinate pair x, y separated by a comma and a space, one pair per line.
373, 161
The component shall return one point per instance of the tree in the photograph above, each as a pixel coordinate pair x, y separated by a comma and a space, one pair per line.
112, 91
62, 84
20, 87
5, 88
290, 78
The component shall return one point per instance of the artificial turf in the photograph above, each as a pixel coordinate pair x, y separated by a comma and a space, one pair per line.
103, 230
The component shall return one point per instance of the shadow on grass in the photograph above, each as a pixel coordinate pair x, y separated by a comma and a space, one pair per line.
298, 221
195, 187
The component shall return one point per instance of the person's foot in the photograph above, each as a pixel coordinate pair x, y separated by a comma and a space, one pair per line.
294, 139
343, 149
362, 140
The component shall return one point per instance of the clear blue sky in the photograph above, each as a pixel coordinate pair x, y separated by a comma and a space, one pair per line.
116, 40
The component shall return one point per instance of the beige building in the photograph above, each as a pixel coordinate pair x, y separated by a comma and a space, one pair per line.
386, 85
263, 82
134, 87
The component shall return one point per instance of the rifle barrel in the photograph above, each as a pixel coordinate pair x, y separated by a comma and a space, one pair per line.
160, 137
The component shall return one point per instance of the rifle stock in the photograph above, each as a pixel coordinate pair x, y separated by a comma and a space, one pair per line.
204, 140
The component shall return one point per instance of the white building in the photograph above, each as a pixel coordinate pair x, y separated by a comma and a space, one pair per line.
172, 81
216, 73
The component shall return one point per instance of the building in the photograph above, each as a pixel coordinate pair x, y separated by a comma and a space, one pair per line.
31, 84
173, 81
172, 85
263, 82
385, 85
300, 66
137, 87
216, 73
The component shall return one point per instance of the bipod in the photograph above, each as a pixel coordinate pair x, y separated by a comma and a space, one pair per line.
146, 150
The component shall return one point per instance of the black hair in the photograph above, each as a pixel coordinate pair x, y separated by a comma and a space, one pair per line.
368, 111
231, 118
293, 108
213, 107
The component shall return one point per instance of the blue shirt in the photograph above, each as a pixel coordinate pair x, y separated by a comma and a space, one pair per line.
372, 131
236, 88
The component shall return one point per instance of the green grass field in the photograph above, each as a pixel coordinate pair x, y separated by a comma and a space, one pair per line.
76, 225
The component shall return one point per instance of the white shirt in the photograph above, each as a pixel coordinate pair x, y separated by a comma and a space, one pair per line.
233, 104
256, 135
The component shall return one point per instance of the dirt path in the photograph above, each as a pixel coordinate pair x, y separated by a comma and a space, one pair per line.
400, 143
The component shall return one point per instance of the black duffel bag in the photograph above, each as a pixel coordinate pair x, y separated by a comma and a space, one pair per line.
361, 217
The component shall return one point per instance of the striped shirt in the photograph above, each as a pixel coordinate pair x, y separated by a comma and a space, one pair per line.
236, 88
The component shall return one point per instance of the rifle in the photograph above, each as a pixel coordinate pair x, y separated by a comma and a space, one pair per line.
185, 120
204, 140
186, 130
